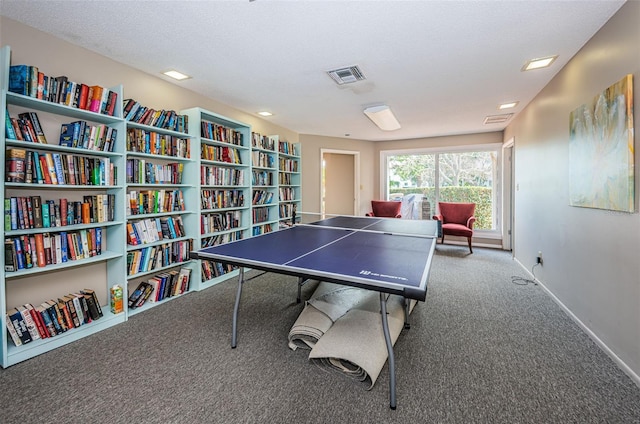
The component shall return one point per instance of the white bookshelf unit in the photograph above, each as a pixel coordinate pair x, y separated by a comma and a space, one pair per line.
264, 184
223, 155
289, 182
102, 234
161, 180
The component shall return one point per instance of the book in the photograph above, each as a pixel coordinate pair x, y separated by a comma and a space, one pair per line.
71, 307
20, 79
145, 295
53, 314
15, 165
66, 315
46, 317
15, 338
10, 260
15, 317
37, 318
9, 130
34, 123
84, 307
136, 295
29, 322
96, 301
91, 306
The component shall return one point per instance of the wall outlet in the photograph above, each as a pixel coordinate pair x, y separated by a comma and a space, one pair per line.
539, 258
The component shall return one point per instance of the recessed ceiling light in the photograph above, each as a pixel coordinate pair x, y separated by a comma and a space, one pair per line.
176, 75
541, 62
265, 113
507, 105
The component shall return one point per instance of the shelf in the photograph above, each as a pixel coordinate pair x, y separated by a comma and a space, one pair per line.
157, 270
77, 151
63, 110
38, 347
104, 256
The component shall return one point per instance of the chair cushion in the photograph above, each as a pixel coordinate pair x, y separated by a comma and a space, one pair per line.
457, 230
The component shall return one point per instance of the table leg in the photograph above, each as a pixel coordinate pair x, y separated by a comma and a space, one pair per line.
236, 308
300, 284
407, 307
392, 362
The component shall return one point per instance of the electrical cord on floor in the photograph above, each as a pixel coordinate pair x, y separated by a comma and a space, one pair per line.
521, 281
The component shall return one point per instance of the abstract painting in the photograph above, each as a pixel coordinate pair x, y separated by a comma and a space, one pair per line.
601, 150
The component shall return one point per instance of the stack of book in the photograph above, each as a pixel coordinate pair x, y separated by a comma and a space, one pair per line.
29, 81
27, 323
167, 119
160, 287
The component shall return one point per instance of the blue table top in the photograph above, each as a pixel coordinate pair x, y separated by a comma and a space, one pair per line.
388, 255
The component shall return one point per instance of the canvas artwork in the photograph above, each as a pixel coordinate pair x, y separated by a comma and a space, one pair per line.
601, 150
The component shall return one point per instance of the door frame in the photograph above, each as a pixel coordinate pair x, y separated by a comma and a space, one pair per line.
356, 177
508, 193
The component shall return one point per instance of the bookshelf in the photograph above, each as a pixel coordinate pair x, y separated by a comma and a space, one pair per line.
101, 176
161, 222
96, 229
223, 157
289, 181
264, 184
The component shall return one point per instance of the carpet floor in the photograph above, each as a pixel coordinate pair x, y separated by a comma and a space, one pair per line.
481, 349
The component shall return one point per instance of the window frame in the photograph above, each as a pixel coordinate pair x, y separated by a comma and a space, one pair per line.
497, 192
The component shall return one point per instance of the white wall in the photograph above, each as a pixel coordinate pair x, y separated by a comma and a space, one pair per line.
311, 146
591, 257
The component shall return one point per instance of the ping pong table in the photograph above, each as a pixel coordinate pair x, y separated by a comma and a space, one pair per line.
387, 255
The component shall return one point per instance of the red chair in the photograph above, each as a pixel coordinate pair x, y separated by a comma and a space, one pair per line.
457, 219
385, 209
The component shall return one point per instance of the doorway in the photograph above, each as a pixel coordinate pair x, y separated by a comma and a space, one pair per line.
339, 179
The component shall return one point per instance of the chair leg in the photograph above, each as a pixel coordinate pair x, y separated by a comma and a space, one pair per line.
469, 240
442, 240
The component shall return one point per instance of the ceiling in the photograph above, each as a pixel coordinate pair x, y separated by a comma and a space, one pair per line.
442, 66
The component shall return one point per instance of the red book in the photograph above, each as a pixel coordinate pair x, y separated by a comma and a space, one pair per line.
64, 211
45, 169
83, 100
42, 261
71, 250
37, 319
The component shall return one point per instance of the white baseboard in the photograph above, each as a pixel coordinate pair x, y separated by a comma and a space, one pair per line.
623, 366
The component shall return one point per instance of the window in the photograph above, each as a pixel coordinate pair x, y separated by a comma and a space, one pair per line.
468, 174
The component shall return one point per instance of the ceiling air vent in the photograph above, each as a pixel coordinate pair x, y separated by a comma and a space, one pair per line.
346, 75
497, 119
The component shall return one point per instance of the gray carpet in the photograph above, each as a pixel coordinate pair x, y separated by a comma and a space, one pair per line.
480, 350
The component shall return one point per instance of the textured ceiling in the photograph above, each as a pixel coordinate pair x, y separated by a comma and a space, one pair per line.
442, 66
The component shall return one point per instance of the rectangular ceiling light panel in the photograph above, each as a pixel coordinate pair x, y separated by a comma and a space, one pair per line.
383, 117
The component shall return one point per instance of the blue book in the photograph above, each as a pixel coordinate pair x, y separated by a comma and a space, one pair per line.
59, 170
46, 221
20, 79
14, 213
66, 134
63, 246
9, 131
99, 240
19, 252
172, 228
